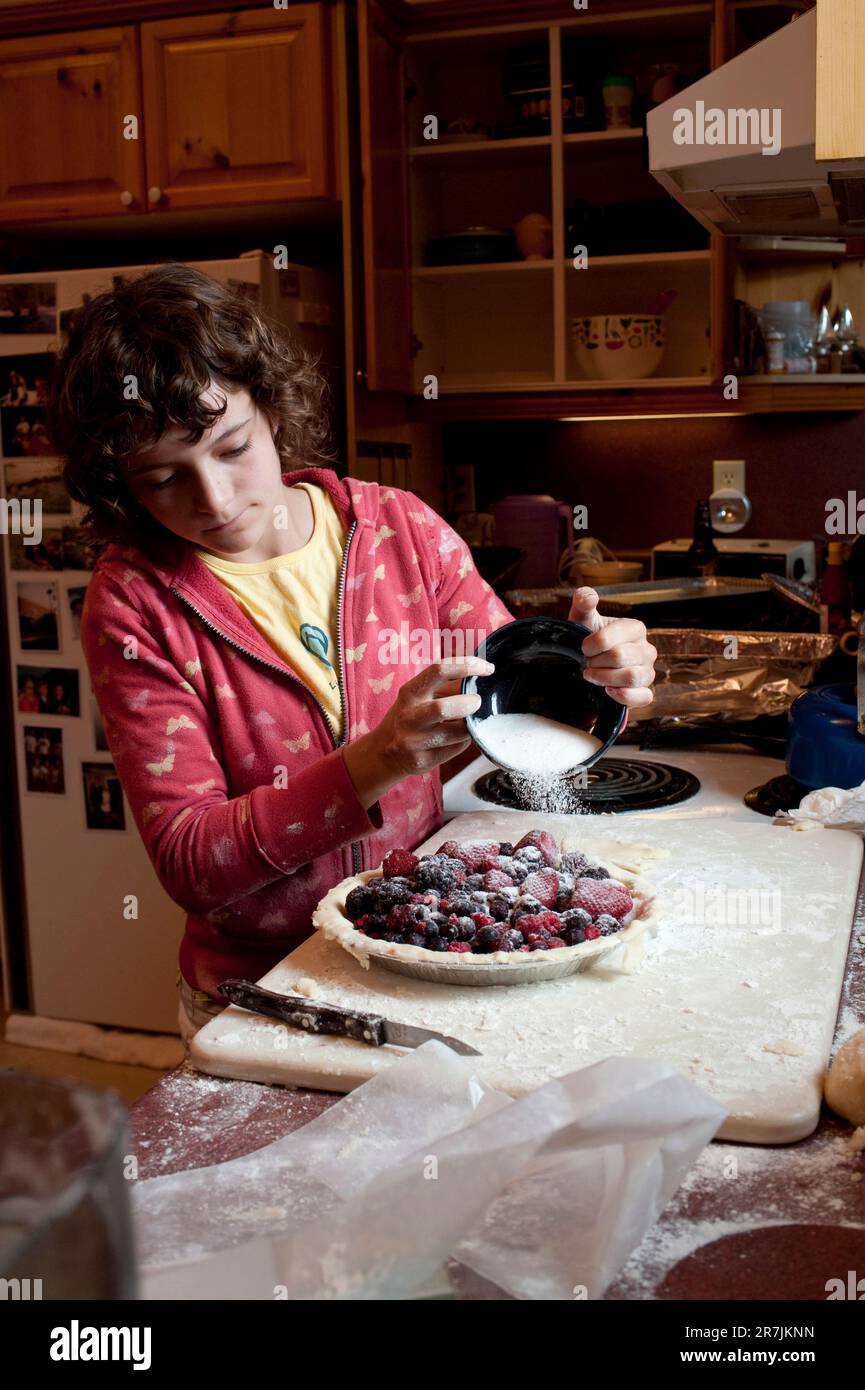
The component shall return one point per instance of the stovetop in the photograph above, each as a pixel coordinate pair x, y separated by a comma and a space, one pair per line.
613, 784
722, 781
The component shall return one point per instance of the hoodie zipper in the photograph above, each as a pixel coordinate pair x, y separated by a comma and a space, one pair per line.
337, 743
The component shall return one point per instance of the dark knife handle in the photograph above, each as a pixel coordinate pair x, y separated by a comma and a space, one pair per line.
306, 1014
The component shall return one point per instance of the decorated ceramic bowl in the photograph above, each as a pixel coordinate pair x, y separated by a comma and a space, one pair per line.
619, 347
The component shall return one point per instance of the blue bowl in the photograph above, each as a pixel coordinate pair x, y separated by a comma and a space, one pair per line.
824, 746
540, 670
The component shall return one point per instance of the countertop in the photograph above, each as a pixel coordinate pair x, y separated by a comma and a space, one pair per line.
748, 1223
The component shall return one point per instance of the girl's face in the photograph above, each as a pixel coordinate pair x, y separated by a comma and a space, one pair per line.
220, 493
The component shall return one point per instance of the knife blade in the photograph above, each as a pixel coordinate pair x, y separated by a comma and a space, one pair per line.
313, 1016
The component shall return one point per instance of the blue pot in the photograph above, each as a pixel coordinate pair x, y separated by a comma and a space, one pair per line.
825, 748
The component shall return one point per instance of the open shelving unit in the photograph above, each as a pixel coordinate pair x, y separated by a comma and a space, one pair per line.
504, 327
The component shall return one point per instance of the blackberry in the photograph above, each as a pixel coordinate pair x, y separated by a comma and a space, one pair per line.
575, 862
460, 903
520, 870
531, 855
388, 892
506, 848
358, 903
566, 888
474, 882
411, 938
440, 873
490, 939
573, 936
595, 871
406, 917
607, 924
499, 906
435, 943
525, 906
576, 917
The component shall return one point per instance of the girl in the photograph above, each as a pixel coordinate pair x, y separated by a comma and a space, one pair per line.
270, 735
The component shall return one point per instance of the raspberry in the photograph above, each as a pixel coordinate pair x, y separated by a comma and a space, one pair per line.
430, 898
543, 841
459, 947
482, 919
538, 943
450, 848
554, 942
540, 922
599, 896
477, 855
543, 885
592, 933
399, 863
496, 879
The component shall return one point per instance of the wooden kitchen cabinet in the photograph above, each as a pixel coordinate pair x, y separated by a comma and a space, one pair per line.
496, 339
64, 99
236, 107
232, 108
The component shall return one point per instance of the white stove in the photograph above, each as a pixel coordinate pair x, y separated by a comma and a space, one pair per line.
724, 778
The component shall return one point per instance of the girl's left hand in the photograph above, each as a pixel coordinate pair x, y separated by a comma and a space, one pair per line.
620, 657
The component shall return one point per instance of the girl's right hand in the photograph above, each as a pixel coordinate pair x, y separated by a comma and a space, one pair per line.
424, 726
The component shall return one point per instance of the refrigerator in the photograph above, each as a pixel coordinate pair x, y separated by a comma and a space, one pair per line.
88, 933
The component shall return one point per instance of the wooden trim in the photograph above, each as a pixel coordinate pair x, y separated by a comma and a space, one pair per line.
840, 79
702, 399
461, 14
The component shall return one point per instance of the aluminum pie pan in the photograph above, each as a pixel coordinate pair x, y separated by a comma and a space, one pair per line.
497, 968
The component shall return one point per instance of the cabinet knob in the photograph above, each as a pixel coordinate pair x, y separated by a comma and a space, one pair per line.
126, 198
154, 195
360, 374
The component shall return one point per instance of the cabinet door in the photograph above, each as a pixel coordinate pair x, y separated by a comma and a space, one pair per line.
386, 250
236, 108
69, 144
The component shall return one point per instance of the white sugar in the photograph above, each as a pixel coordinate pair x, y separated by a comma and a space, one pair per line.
535, 745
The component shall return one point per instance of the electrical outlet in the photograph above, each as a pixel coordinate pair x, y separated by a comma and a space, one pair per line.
728, 473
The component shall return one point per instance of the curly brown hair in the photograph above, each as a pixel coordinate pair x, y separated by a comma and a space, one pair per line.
173, 331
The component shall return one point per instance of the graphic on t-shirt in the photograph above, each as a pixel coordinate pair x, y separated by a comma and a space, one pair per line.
316, 642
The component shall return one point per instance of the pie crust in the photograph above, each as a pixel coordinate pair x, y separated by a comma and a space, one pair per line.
497, 967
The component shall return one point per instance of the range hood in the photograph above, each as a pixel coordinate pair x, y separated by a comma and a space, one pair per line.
706, 145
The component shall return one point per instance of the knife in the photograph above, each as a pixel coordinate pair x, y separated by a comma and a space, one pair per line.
312, 1017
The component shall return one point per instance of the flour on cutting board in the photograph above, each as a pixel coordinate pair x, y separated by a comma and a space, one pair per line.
745, 1008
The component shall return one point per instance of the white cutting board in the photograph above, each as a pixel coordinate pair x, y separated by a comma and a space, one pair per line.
746, 1010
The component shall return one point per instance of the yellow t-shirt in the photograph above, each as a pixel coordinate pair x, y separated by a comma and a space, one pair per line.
292, 601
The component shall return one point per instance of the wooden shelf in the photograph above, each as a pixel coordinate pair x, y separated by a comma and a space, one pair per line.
585, 139
463, 154
483, 268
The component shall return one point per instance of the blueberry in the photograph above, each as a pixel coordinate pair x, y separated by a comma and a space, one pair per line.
576, 917
411, 938
465, 930
574, 936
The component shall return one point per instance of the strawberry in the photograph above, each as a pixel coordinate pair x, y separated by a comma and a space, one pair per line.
478, 855
602, 895
543, 841
496, 879
543, 884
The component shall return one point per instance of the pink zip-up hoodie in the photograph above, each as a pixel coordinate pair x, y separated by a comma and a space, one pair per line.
228, 762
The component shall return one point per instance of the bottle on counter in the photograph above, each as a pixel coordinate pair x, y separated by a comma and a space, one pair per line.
701, 560
834, 591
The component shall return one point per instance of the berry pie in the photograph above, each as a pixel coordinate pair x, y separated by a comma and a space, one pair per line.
487, 904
